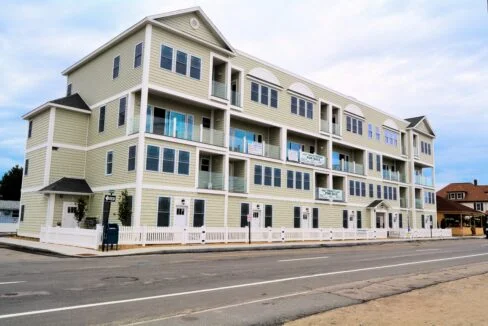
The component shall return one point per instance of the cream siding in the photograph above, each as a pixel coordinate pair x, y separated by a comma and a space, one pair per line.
35, 212
40, 128
111, 130
35, 176
68, 163
70, 127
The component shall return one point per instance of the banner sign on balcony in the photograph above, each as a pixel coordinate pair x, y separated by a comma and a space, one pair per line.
312, 159
255, 148
329, 194
293, 156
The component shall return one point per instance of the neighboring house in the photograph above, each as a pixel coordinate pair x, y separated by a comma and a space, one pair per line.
9, 211
200, 133
462, 220
471, 195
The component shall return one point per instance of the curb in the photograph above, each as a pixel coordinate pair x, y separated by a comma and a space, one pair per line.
49, 252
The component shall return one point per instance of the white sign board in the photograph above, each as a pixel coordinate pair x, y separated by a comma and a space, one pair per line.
255, 148
312, 159
293, 155
329, 194
110, 198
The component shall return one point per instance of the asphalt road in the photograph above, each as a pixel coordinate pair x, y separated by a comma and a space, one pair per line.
258, 287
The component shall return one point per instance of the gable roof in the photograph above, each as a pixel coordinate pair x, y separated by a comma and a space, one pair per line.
449, 206
72, 102
199, 12
68, 186
415, 124
414, 121
473, 193
377, 202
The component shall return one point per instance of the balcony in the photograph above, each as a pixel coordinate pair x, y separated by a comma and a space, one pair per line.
393, 176
336, 129
242, 145
219, 89
350, 167
418, 203
237, 184
307, 158
324, 125
424, 180
329, 194
235, 98
210, 180
403, 202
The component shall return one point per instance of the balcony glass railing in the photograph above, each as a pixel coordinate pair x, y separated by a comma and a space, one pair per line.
237, 184
219, 89
393, 176
241, 145
335, 129
210, 180
403, 202
307, 158
324, 125
350, 167
424, 181
133, 125
329, 194
418, 203
235, 98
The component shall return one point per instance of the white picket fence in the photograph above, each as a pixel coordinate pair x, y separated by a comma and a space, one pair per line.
72, 236
8, 224
147, 235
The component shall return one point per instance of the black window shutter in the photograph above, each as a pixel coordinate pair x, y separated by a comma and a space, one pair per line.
390, 220
296, 217
244, 213
344, 219
423, 222
315, 218
400, 220
360, 222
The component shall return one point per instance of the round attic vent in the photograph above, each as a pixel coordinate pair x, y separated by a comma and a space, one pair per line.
194, 23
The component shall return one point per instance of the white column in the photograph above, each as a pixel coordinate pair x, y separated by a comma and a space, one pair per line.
329, 117
226, 128
283, 134
49, 146
329, 181
142, 128
50, 210
226, 171
329, 154
130, 113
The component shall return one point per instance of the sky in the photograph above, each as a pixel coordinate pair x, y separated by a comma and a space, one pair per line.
408, 58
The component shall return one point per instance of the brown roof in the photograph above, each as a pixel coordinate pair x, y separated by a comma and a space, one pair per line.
449, 206
473, 193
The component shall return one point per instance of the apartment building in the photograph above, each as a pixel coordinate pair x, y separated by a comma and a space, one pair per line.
200, 133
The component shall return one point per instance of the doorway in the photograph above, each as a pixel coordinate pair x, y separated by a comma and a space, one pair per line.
68, 220
181, 216
380, 220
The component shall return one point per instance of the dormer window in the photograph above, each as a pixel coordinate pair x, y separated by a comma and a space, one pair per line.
68, 90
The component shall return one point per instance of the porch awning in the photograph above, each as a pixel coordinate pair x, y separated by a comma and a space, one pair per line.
68, 186
378, 203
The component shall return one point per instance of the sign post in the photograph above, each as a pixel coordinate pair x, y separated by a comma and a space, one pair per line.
249, 226
107, 200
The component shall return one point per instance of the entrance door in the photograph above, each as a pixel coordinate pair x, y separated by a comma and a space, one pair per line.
380, 220
306, 218
256, 219
68, 220
352, 220
395, 222
181, 216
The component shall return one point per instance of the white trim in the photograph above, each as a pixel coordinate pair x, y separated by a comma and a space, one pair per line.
48, 192
35, 148
49, 105
31, 189
265, 75
116, 96
49, 148
218, 149
27, 234
70, 146
112, 142
300, 88
50, 210
111, 162
114, 187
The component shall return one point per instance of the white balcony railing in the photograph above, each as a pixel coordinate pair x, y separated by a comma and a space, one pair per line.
350, 167
237, 184
336, 129
210, 180
242, 145
324, 125
424, 181
219, 89
393, 176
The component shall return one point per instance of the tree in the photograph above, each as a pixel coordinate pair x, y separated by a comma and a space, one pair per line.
125, 208
11, 183
80, 210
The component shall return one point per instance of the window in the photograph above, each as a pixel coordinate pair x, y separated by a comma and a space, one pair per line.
244, 214
459, 195
138, 55
358, 188
354, 125
22, 211
68, 90
254, 92
294, 105
131, 164
183, 162
152, 158
101, 119
359, 219
268, 176
116, 67
264, 95
378, 133
452, 196
371, 190
206, 122
385, 192
268, 216
166, 58
378, 163
164, 204
363, 189
306, 181
390, 193
391, 138
479, 207
109, 163
315, 218
181, 61
258, 174
198, 213
310, 110
370, 131
122, 108
195, 67
296, 217
169, 160
378, 191
274, 98
351, 188
26, 167
298, 180
289, 179
204, 164
277, 177
429, 149
301, 107
370, 161
394, 193
29, 133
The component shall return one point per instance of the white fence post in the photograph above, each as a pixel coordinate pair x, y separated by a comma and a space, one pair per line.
282, 234
226, 235
144, 235
343, 234
331, 235
98, 240
270, 234
204, 235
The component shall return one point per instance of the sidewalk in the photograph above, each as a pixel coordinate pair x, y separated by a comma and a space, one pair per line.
69, 251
